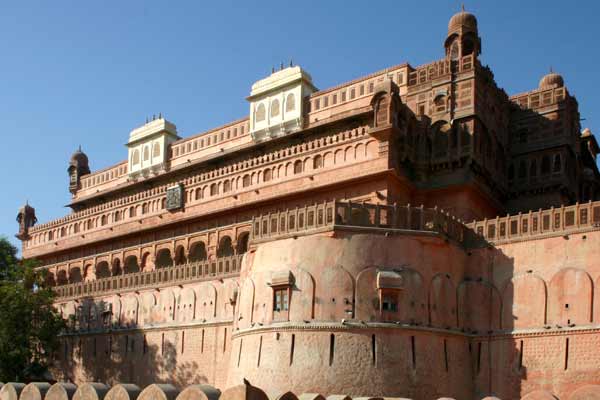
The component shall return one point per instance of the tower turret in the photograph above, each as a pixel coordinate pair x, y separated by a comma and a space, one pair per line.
463, 37
26, 219
78, 167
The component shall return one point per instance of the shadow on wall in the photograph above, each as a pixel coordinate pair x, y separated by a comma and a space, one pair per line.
111, 354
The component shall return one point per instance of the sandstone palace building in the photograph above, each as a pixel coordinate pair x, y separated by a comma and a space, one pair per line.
417, 232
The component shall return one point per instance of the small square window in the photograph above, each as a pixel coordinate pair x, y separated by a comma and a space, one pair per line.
280, 300
389, 302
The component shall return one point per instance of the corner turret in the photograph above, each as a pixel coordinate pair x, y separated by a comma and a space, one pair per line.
26, 219
463, 37
78, 167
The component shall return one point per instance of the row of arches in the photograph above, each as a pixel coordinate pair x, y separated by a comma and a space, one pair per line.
201, 302
357, 152
473, 305
533, 167
163, 258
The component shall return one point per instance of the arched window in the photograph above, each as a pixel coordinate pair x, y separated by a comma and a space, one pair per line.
180, 257
226, 186
454, 51
318, 162
246, 181
225, 247
75, 275
290, 102
468, 47
197, 252
156, 150
145, 208
102, 270
146, 153
131, 265
275, 108
116, 268
163, 259
267, 175
214, 189
260, 113
545, 165
131, 212
533, 168
198, 194
116, 216
103, 220
440, 102
242, 246
557, 163
522, 170
298, 167
135, 158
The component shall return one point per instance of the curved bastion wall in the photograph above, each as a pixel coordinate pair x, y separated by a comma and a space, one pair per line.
334, 335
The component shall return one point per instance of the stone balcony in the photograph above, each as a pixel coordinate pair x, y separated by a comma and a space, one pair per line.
220, 268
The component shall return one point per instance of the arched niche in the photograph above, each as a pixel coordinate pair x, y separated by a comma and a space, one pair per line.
479, 306
570, 297
186, 305
334, 297
245, 309
442, 302
524, 302
207, 302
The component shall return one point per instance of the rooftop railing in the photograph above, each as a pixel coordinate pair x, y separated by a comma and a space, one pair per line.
561, 220
179, 274
332, 214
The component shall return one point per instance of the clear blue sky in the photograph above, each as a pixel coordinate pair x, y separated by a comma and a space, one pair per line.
83, 72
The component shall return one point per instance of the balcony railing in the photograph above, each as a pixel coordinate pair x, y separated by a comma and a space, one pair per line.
553, 221
178, 274
328, 215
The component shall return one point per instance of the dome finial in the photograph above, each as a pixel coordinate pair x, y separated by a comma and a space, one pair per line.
462, 7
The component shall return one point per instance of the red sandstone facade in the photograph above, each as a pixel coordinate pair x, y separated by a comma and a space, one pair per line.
296, 260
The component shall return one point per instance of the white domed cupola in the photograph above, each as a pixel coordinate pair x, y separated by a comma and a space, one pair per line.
276, 103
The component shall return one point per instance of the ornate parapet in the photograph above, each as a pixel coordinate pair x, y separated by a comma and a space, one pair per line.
329, 216
577, 218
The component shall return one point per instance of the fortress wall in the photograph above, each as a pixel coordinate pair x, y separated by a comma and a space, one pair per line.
333, 314
549, 301
384, 362
183, 356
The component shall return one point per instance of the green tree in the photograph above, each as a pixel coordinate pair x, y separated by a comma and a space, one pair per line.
29, 323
